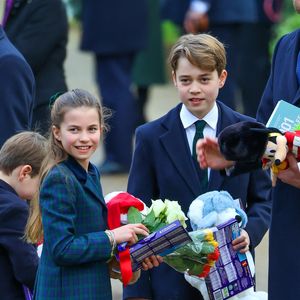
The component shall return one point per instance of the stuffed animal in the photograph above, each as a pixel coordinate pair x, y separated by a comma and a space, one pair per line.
253, 142
211, 209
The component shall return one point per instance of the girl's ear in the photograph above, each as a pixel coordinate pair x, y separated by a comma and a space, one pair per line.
56, 132
222, 78
25, 172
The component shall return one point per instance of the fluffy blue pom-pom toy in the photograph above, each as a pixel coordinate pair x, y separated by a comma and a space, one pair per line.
213, 208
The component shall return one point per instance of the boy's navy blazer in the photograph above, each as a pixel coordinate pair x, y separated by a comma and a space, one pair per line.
18, 260
162, 168
76, 249
285, 224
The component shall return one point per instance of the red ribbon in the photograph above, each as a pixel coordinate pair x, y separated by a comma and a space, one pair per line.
116, 206
125, 266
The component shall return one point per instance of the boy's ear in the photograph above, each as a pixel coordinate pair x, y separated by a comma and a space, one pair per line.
174, 78
25, 171
222, 78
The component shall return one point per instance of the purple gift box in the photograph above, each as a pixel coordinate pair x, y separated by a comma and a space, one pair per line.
231, 274
161, 242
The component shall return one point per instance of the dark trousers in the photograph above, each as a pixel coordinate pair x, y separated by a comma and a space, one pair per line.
114, 80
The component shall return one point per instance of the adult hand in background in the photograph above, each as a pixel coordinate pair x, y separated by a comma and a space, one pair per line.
209, 155
195, 22
292, 174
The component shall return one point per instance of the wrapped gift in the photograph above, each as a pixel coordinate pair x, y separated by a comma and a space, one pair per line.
231, 274
161, 242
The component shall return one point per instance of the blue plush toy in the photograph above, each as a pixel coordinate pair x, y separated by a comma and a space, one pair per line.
214, 208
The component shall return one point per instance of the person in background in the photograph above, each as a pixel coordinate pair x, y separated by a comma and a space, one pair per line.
149, 66
39, 30
164, 164
17, 90
115, 31
283, 84
245, 27
21, 158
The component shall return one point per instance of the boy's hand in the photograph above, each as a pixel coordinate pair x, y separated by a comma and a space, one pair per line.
292, 174
152, 261
209, 155
241, 243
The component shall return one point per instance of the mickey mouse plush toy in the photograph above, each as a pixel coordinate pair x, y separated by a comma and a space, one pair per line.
255, 144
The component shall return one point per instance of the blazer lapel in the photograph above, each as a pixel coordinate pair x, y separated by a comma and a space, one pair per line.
183, 162
95, 190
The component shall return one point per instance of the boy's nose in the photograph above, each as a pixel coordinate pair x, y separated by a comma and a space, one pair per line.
195, 89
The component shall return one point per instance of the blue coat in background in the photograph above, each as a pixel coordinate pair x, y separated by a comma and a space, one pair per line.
284, 242
163, 168
17, 88
107, 26
76, 249
39, 30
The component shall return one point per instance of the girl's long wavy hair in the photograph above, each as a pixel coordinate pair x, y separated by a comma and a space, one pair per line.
72, 99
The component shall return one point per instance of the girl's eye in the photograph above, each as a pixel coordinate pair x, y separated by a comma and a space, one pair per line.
93, 129
73, 130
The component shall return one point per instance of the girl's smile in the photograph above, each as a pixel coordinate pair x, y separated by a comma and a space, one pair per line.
79, 133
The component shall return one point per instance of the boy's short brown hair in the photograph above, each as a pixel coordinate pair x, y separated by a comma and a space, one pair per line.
25, 148
201, 50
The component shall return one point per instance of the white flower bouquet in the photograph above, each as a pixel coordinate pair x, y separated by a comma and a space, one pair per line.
195, 257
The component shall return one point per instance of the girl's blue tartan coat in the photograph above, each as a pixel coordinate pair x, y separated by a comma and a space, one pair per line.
76, 249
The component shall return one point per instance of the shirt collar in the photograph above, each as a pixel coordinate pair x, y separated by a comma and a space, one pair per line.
188, 119
79, 172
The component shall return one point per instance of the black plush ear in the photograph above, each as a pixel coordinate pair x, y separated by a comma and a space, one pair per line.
239, 142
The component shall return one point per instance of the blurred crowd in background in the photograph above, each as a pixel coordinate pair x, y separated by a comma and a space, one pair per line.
130, 42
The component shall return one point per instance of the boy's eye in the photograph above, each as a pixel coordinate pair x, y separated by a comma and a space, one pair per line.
184, 80
204, 79
93, 129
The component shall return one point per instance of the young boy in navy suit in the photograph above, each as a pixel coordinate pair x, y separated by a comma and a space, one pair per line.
20, 161
164, 167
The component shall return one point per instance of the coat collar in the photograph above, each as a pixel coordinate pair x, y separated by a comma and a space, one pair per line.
82, 176
174, 131
185, 167
79, 172
4, 185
